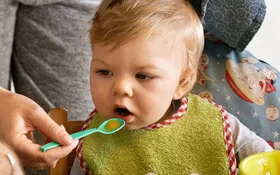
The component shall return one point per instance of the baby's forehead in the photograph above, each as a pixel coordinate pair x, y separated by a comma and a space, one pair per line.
144, 49
143, 43
171, 40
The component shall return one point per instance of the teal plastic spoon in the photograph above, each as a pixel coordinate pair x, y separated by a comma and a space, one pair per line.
102, 129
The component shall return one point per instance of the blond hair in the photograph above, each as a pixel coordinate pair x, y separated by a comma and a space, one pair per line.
119, 21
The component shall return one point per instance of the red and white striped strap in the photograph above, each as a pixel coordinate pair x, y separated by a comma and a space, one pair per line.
228, 139
79, 147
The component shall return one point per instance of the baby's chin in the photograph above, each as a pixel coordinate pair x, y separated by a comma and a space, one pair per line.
132, 127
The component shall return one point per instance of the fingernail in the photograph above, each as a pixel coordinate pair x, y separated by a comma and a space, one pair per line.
69, 139
62, 127
75, 143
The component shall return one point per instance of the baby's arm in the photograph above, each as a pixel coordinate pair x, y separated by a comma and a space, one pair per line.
246, 142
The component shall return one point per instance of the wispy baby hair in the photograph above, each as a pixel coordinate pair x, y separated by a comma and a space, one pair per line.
117, 22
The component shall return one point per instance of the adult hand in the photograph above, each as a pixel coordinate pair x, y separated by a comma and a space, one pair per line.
9, 163
20, 116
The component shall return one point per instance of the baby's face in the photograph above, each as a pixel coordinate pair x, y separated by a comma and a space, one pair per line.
135, 82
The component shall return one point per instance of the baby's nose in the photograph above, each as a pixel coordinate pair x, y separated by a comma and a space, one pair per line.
122, 87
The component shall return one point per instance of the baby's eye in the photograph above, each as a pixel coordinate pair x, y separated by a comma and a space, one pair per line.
144, 76
104, 72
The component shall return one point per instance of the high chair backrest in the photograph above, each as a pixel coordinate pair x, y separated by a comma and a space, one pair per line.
60, 116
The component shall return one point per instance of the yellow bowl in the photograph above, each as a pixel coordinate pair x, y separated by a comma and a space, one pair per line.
266, 163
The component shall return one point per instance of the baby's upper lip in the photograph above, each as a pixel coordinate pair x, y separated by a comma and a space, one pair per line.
121, 108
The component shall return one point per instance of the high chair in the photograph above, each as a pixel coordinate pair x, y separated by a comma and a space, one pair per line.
60, 116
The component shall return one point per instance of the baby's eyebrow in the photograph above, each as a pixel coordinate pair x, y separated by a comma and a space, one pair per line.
100, 61
149, 67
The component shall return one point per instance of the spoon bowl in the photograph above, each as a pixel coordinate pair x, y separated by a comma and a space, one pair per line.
109, 126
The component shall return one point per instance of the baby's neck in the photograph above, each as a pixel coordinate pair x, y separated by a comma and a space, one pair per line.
174, 106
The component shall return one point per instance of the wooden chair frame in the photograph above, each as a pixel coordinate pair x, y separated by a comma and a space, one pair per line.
60, 116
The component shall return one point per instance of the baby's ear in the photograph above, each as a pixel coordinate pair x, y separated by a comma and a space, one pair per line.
185, 84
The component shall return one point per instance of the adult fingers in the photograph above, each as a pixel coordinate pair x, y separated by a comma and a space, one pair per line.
9, 162
49, 128
31, 156
53, 155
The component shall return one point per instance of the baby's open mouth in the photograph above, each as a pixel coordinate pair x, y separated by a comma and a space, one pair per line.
122, 111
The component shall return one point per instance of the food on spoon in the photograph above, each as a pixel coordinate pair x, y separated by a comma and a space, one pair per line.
112, 125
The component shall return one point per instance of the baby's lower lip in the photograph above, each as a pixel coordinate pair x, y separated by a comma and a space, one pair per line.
125, 118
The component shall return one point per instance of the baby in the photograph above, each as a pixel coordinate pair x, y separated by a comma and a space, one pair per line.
145, 62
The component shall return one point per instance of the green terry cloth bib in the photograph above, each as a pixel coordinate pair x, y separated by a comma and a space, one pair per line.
193, 144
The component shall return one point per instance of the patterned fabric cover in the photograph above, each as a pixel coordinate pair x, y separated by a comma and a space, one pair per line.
233, 21
246, 86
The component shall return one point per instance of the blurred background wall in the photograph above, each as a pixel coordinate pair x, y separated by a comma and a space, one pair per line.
266, 43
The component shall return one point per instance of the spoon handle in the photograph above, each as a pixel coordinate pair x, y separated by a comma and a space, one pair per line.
49, 145
84, 133
76, 135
